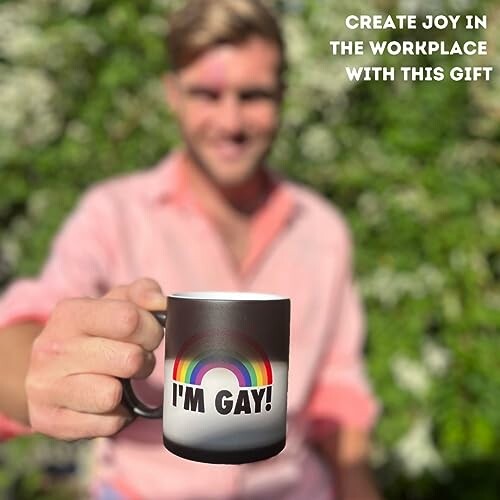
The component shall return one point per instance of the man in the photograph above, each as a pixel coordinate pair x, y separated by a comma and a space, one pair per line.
210, 216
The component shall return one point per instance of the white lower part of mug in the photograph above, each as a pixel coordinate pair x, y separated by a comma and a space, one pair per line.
220, 415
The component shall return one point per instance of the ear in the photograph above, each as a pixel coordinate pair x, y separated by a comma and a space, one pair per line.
171, 91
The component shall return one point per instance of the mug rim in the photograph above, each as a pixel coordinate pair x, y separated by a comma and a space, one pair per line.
228, 296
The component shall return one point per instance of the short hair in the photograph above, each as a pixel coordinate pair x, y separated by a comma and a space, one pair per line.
200, 25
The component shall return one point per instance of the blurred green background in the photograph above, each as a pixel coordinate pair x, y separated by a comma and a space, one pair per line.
414, 166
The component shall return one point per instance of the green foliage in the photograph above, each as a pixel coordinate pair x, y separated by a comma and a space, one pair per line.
36, 467
414, 166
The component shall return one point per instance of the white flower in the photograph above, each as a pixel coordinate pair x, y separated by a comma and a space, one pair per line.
436, 357
492, 299
154, 24
431, 277
371, 207
38, 202
411, 375
489, 218
416, 451
462, 5
27, 114
318, 143
415, 200
79, 7
10, 250
421, 6
19, 33
388, 286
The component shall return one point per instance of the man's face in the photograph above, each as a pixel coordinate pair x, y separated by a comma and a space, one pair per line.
227, 105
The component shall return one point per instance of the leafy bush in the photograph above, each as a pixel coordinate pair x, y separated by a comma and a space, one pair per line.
414, 166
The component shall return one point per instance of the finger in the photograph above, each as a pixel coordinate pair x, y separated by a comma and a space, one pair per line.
144, 292
70, 425
110, 357
88, 393
113, 319
95, 355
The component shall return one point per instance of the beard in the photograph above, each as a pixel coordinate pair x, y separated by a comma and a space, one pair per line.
210, 170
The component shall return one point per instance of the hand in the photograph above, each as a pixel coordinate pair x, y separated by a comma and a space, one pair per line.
347, 450
72, 383
356, 482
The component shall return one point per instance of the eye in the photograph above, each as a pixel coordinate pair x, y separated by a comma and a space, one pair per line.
252, 95
204, 94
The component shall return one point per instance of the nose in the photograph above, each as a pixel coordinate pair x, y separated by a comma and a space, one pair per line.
231, 114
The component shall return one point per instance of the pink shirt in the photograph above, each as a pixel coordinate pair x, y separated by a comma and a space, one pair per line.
149, 224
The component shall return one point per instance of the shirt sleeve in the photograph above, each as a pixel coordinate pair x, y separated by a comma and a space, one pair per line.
342, 395
75, 267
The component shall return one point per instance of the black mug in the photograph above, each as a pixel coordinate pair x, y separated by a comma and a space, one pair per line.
226, 376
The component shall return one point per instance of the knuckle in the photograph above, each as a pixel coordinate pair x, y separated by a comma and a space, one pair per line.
110, 425
143, 289
128, 317
145, 283
111, 396
67, 313
111, 353
45, 346
152, 334
65, 308
133, 360
159, 335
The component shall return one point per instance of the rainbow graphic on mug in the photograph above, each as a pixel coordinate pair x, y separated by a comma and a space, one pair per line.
238, 354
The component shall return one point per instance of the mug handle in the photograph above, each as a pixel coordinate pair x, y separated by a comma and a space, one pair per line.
129, 399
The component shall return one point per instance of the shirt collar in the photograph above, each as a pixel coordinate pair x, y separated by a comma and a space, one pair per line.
165, 182
168, 183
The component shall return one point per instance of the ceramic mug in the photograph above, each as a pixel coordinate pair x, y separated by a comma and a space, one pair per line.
226, 376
